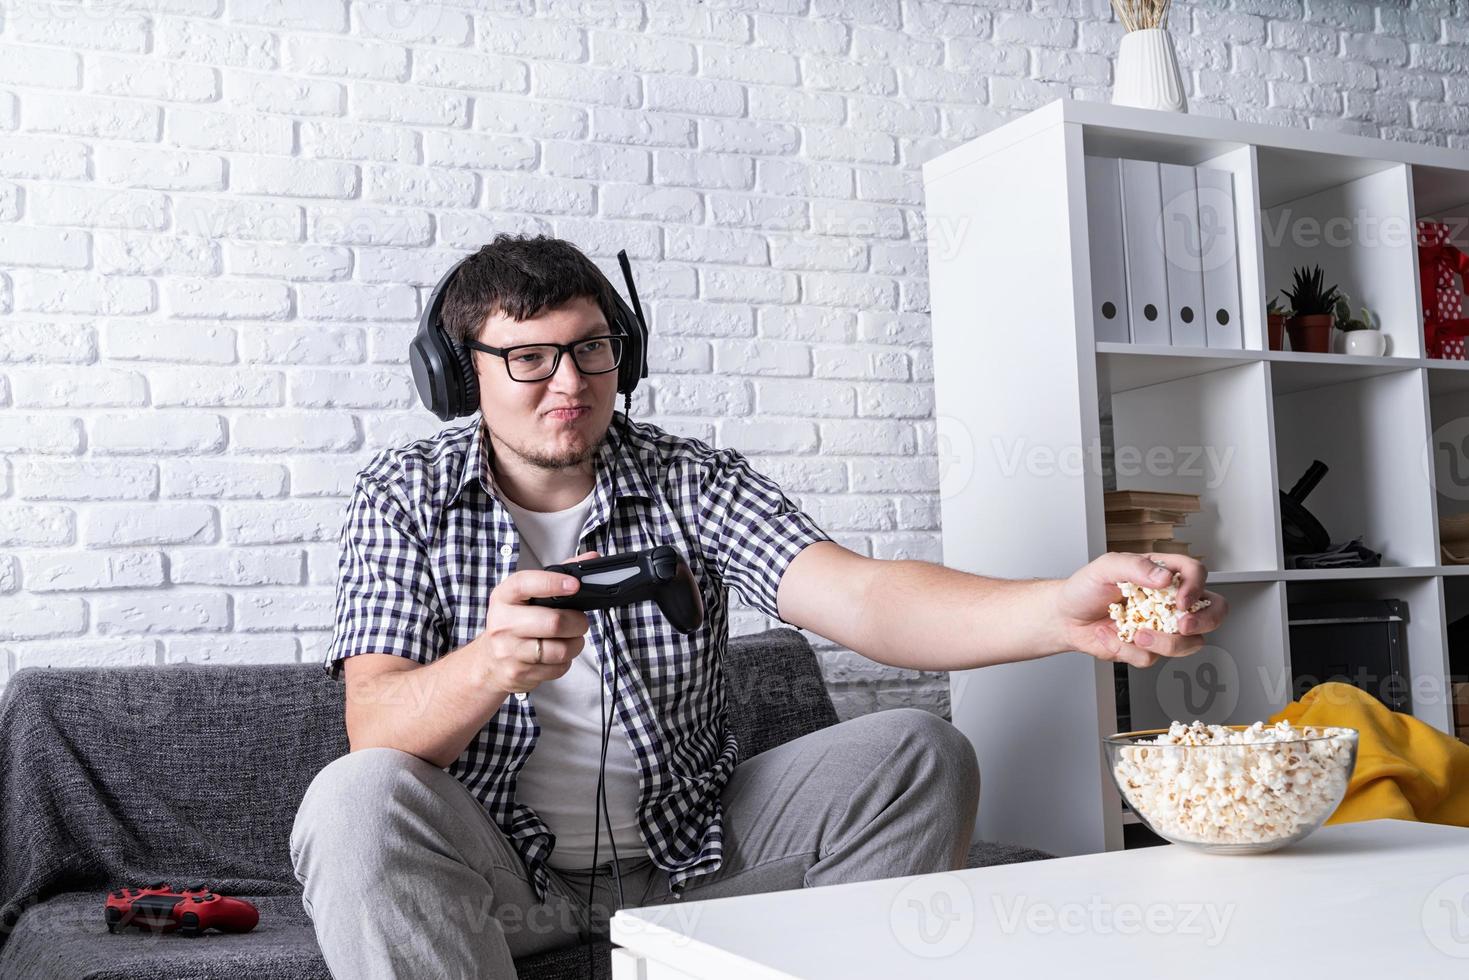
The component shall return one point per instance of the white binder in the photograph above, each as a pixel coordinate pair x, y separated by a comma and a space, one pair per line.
1220, 258
1182, 246
1142, 233
1104, 233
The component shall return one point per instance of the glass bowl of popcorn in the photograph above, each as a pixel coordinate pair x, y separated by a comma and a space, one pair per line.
1233, 789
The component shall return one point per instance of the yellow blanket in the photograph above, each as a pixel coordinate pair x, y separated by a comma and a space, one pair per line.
1406, 768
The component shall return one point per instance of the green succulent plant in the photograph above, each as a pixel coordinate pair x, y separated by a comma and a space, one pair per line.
1275, 309
1309, 296
1345, 321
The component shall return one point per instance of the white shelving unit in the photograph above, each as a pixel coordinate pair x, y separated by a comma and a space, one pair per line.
1021, 384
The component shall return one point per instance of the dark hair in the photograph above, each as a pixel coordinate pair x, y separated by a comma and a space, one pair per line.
519, 276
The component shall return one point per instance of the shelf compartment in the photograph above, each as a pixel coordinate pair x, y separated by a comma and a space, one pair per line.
1448, 412
1197, 260
1123, 367
1446, 376
1207, 434
1336, 574
1372, 434
1292, 372
1442, 195
1232, 680
1354, 218
1425, 636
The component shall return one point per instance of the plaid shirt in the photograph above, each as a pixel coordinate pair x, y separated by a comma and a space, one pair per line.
427, 538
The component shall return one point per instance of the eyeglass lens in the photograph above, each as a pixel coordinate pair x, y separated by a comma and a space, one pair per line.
596, 356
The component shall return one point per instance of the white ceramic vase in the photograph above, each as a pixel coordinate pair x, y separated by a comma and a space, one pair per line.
1370, 343
1147, 72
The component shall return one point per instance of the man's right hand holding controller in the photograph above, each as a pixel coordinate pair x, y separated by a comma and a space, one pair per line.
524, 645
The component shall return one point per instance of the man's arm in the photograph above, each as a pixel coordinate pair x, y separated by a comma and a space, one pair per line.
923, 616
432, 711
915, 614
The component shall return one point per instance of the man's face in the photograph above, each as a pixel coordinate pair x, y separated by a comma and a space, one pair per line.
520, 414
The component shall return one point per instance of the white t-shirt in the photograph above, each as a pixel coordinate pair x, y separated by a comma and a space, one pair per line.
559, 780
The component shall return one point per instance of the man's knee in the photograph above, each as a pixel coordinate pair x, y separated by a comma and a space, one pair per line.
940, 751
350, 800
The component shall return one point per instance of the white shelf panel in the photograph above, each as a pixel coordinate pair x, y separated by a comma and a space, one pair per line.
1290, 174
1350, 574
1154, 135
1291, 372
1227, 578
1440, 192
1336, 574
1125, 367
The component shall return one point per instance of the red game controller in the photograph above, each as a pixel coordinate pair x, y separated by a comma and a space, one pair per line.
191, 910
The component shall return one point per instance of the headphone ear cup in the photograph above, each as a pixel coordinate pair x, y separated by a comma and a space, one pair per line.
467, 402
624, 375
630, 371
631, 368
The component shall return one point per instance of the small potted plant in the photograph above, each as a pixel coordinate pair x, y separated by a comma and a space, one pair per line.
1361, 335
1275, 317
1314, 306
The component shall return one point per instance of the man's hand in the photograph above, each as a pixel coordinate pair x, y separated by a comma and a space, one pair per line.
1083, 599
512, 627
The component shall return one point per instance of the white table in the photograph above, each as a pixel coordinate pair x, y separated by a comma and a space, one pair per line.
1385, 899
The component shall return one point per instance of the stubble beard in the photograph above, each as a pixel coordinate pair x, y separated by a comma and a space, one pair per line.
554, 461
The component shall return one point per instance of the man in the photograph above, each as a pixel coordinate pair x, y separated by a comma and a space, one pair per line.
459, 831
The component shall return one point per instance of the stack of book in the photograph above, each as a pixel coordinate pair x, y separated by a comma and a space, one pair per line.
1140, 521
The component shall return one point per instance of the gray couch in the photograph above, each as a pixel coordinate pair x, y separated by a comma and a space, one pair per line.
187, 773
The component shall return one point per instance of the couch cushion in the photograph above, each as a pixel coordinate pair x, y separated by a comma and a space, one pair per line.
986, 853
65, 939
775, 690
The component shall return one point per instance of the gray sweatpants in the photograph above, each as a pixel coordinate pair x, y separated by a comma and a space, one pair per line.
405, 874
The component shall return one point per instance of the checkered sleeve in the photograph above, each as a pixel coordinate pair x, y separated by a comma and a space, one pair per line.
749, 529
385, 600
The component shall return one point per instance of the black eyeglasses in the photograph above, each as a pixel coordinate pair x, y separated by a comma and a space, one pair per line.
536, 362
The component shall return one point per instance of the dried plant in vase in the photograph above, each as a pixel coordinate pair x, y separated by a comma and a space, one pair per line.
1147, 66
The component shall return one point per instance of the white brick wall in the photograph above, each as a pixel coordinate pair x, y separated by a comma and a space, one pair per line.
218, 219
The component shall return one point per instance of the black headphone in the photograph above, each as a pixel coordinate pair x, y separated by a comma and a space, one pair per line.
443, 368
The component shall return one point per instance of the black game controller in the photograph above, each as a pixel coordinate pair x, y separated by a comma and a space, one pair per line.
659, 574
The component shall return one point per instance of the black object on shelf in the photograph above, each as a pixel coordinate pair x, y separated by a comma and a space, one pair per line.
1348, 554
1360, 642
1122, 693
1458, 632
1302, 533
1138, 835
